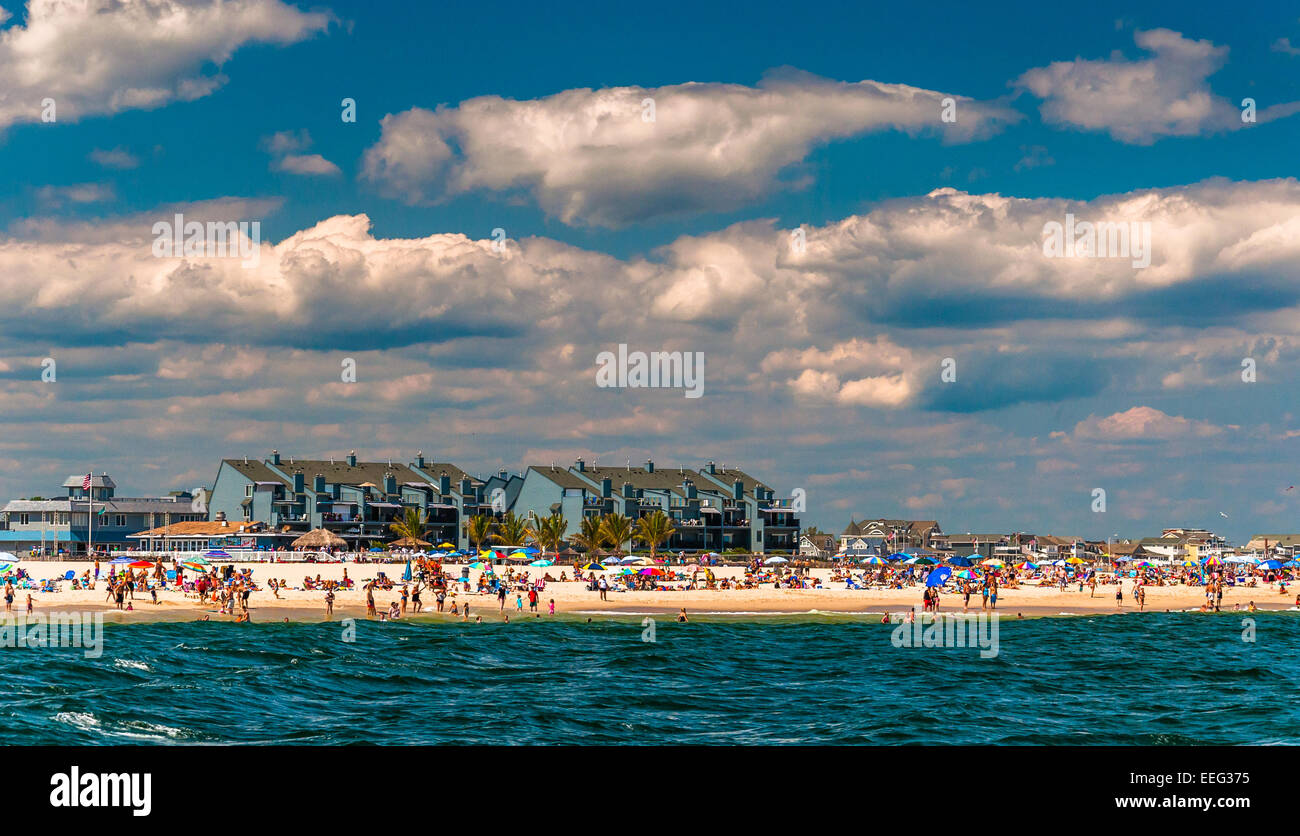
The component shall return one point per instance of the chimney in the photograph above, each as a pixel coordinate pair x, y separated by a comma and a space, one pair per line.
275, 457
299, 481
390, 484
688, 488
221, 517
580, 465
649, 466
628, 491
606, 487
711, 468
419, 459
352, 458
738, 490
504, 474
318, 483
466, 488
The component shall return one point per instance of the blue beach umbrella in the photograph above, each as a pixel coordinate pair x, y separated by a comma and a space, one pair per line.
938, 577
960, 561
406, 576
217, 553
1271, 564
899, 556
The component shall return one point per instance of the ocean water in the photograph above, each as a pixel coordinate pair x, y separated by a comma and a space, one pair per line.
810, 679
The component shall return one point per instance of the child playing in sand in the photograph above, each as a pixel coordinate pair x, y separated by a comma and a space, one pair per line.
553, 604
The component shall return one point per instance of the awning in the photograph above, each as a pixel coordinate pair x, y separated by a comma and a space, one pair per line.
709, 510
383, 505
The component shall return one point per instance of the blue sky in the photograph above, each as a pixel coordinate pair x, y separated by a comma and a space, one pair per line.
826, 370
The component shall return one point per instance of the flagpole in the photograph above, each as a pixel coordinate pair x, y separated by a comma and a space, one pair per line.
90, 516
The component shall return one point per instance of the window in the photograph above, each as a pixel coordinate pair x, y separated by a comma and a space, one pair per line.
22, 519
248, 489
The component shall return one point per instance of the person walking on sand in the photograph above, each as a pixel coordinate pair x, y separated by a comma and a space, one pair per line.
329, 604
501, 596
370, 598
532, 600
29, 604
416, 606
1119, 594
603, 586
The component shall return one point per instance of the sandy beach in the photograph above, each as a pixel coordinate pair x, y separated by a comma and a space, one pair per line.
575, 599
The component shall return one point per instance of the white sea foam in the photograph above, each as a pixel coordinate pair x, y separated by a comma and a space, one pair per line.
131, 663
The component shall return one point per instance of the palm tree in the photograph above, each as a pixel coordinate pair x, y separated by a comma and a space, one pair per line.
588, 536
549, 531
412, 525
511, 530
478, 529
653, 530
616, 530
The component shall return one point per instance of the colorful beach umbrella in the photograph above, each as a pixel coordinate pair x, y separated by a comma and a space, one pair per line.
219, 554
140, 564
1027, 564
994, 562
1212, 560
968, 574
1271, 564
652, 570
542, 562
194, 566
900, 556
593, 567
874, 561
939, 576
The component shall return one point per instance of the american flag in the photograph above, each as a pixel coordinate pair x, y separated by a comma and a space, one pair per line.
85, 483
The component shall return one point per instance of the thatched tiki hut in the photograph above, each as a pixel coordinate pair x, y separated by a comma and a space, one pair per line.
409, 543
319, 538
